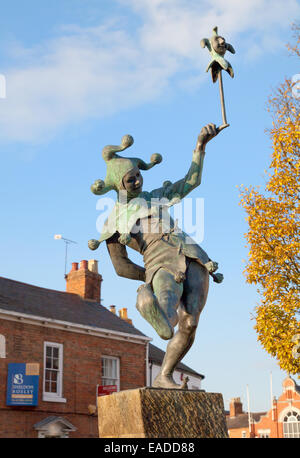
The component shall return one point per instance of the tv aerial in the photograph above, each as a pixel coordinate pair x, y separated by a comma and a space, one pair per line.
67, 242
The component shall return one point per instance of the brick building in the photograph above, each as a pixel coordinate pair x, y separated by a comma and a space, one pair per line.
61, 346
68, 344
281, 421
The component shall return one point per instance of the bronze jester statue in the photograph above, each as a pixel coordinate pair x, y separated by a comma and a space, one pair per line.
176, 269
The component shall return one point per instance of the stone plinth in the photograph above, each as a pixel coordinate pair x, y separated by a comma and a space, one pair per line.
161, 413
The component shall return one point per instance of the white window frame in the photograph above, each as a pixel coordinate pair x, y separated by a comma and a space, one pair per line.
294, 431
114, 358
264, 433
2, 346
54, 397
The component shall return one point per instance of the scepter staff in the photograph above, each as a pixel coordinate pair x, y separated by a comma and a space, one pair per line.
217, 48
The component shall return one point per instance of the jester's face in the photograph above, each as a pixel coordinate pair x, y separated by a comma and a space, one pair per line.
219, 45
133, 182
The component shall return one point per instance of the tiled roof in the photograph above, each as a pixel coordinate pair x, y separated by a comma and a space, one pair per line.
242, 421
57, 305
156, 355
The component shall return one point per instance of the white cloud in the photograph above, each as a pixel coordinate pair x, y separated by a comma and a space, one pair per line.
96, 71
176, 25
92, 72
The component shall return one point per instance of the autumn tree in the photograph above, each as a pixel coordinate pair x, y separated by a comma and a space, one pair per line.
273, 236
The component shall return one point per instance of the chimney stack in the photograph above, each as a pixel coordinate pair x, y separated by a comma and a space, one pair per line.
236, 407
85, 281
123, 315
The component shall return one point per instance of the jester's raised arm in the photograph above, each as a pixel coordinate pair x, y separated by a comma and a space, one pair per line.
181, 188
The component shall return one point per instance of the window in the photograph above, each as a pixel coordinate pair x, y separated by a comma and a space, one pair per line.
264, 435
291, 424
110, 371
53, 369
2, 347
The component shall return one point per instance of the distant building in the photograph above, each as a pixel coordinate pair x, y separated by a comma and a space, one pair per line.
281, 421
58, 350
238, 420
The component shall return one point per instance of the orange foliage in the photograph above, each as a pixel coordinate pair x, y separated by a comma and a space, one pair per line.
273, 236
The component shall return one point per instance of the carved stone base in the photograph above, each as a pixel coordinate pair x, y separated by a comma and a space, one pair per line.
161, 413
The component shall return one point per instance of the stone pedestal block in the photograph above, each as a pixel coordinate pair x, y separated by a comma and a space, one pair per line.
161, 413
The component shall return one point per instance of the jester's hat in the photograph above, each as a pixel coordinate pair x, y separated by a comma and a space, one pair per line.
118, 166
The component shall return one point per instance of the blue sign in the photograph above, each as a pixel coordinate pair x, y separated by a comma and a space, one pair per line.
22, 384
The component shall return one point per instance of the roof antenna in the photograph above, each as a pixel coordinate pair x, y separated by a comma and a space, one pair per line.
67, 242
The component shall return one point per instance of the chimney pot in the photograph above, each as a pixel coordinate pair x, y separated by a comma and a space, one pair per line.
93, 265
112, 308
123, 315
84, 265
74, 266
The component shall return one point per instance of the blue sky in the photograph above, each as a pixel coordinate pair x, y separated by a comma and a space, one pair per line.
82, 73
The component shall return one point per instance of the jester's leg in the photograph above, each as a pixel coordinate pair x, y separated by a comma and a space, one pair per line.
193, 300
149, 308
168, 290
158, 304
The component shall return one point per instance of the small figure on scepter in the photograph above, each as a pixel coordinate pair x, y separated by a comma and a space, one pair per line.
217, 47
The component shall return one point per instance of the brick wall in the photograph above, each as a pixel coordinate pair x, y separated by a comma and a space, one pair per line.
239, 433
81, 373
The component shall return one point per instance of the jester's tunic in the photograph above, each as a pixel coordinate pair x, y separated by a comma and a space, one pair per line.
146, 226
168, 250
